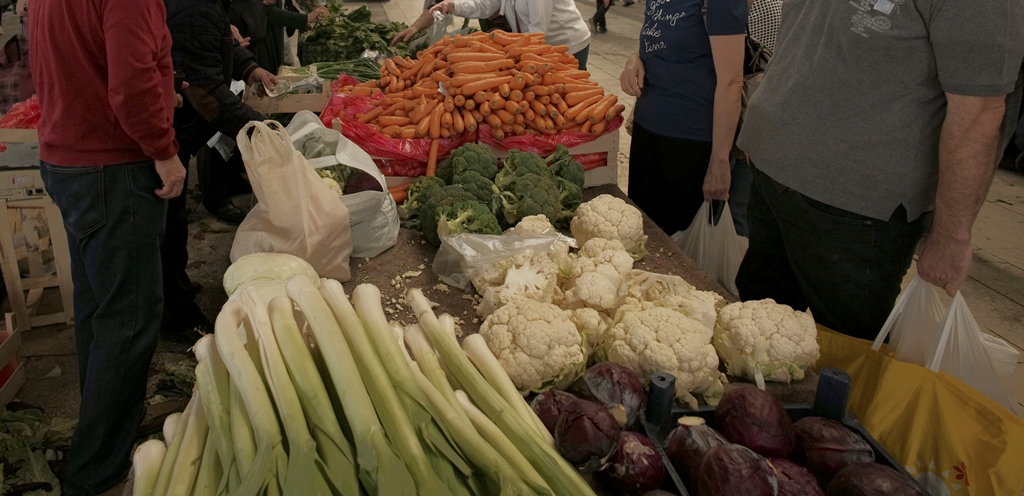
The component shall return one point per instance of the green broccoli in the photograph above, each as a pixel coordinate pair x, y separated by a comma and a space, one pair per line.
481, 187
531, 194
445, 170
562, 165
570, 196
429, 212
419, 192
518, 163
466, 217
475, 157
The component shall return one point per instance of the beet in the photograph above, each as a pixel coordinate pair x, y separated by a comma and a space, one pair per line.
687, 444
795, 480
734, 470
585, 431
825, 447
755, 419
634, 466
608, 383
871, 479
548, 406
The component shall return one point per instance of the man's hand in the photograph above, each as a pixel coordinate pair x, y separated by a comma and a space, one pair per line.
21, 8
967, 159
261, 75
632, 77
607, 3
717, 180
404, 36
178, 100
316, 14
172, 174
238, 37
445, 7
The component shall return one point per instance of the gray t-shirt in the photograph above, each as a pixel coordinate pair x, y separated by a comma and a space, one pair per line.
853, 101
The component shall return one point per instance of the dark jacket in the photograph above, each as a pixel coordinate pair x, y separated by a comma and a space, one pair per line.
205, 51
265, 26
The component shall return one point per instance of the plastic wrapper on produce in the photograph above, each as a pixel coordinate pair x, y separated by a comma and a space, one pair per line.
373, 215
543, 144
346, 107
462, 254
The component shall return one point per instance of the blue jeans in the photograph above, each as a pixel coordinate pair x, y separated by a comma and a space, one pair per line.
845, 267
115, 225
581, 57
739, 195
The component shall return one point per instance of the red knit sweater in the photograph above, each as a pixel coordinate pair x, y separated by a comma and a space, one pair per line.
102, 70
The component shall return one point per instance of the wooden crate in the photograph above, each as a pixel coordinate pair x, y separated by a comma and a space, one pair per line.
26, 293
287, 104
12, 369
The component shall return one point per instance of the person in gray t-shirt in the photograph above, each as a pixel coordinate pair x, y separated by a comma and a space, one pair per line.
877, 121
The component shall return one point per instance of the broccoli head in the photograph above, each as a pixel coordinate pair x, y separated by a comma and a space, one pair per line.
419, 192
429, 212
531, 194
570, 196
445, 170
562, 165
475, 157
518, 163
481, 187
466, 217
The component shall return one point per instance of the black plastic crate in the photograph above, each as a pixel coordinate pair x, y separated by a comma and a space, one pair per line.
831, 398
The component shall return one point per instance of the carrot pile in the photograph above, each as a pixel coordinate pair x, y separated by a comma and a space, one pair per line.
511, 81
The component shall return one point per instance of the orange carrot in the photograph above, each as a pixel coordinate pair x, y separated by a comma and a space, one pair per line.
485, 84
505, 116
598, 128
446, 120
455, 58
496, 101
423, 128
574, 111
538, 107
529, 96
440, 77
392, 131
512, 107
371, 115
504, 38
400, 192
485, 109
614, 112
480, 67
458, 123
469, 105
518, 82
435, 122
493, 120
515, 96
386, 120
602, 108
449, 103
408, 132
432, 158
579, 96
504, 90
541, 89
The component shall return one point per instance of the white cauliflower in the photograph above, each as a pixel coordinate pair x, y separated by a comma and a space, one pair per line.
591, 324
598, 277
610, 217
662, 290
534, 224
527, 275
536, 344
763, 340
664, 340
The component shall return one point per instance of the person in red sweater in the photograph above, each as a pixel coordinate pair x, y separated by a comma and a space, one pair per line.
108, 158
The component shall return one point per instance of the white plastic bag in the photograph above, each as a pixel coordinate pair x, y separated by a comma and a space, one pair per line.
716, 248
296, 212
949, 340
373, 215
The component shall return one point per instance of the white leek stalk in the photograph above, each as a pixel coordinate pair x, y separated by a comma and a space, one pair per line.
380, 469
163, 481
146, 462
170, 426
210, 471
213, 386
476, 349
186, 466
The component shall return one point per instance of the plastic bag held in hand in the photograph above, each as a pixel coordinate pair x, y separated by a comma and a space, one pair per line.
926, 332
716, 248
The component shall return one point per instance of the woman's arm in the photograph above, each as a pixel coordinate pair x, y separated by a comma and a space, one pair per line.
473, 9
727, 52
424, 21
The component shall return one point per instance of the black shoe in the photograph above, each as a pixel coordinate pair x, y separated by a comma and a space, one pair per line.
593, 24
602, 29
230, 214
627, 4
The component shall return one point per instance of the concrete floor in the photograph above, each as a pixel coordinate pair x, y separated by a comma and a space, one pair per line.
995, 291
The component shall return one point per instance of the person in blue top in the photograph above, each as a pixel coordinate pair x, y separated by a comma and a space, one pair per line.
688, 79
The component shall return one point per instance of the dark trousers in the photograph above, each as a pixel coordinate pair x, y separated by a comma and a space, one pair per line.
581, 57
666, 177
115, 225
599, 15
845, 267
180, 309
219, 179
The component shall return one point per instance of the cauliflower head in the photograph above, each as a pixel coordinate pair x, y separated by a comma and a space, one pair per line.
610, 217
591, 324
536, 344
598, 276
527, 275
534, 224
663, 340
765, 341
662, 290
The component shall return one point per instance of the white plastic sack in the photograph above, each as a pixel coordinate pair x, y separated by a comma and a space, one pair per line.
373, 214
926, 332
296, 212
717, 249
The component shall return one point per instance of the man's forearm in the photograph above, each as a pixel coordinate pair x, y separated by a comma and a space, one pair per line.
967, 160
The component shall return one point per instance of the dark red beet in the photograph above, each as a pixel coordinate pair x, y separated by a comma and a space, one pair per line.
825, 447
795, 480
687, 444
733, 470
608, 383
634, 466
871, 479
585, 432
548, 406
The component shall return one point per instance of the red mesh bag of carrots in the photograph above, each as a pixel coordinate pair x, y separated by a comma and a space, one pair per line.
544, 144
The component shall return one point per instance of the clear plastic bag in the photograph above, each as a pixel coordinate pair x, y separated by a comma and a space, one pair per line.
951, 343
373, 215
717, 249
462, 254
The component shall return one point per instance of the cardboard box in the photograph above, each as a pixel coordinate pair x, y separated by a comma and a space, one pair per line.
287, 104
